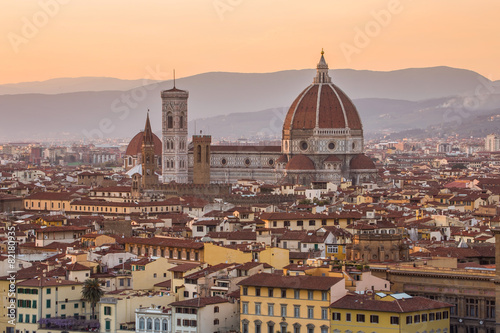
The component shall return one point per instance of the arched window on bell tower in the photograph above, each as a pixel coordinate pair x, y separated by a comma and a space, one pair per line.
170, 120
199, 153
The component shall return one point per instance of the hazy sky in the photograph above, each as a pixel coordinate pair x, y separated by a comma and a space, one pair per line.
131, 39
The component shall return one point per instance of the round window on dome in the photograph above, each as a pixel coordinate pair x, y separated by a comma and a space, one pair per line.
247, 161
303, 145
271, 161
223, 161
331, 145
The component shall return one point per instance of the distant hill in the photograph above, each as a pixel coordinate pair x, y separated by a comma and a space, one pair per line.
67, 85
378, 115
478, 124
386, 100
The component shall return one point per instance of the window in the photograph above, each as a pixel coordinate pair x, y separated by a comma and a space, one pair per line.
49, 291
244, 307
270, 292
75, 305
107, 311
394, 320
324, 295
270, 309
257, 308
374, 319
170, 121
245, 291
216, 309
20, 318
216, 322
312, 222
157, 324
409, 320
332, 249
270, 327
63, 307
471, 307
310, 312
283, 310
47, 303
283, 293
257, 291
108, 325
310, 294
490, 310
424, 317
438, 315
296, 294
431, 316
336, 316
347, 317
360, 318
300, 223
324, 313
142, 323
416, 319
445, 314
296, 311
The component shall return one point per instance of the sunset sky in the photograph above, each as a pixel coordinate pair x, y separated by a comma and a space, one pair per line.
125, 39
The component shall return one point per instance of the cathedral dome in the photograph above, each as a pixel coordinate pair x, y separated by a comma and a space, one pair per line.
322, 105
135, 145
300, 162
362, 161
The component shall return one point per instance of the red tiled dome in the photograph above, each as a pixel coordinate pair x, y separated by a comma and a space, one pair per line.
135, 145
300, 162
333, 109
362, 161
322, 105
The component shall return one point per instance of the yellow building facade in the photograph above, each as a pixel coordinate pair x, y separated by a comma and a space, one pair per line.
388, 313
275, 303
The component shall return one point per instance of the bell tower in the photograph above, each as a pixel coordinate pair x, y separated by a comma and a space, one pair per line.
174, 130
149, 177
201, 159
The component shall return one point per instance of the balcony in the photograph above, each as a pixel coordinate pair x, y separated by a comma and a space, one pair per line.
70, 323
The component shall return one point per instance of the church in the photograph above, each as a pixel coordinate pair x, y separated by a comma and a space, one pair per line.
322, 140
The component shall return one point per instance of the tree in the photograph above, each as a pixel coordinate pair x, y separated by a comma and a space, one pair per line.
92, 293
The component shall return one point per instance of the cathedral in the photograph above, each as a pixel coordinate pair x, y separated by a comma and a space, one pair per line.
322, 140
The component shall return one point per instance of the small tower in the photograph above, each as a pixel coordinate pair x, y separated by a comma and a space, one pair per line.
174, 120
149, 178
201, 159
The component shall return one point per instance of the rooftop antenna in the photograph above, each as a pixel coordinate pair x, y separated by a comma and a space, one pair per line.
174, 78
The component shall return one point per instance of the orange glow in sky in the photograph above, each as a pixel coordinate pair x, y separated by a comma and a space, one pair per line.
71, 38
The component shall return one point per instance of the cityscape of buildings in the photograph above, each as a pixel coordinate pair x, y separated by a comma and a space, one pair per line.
323, 232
